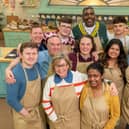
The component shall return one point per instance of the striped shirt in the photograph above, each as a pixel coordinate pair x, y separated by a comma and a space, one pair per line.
78, 82
66, 41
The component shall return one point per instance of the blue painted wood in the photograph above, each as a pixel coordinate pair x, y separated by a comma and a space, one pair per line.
3, 65
12, 39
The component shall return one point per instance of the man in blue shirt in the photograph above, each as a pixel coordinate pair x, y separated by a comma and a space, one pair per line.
54, 46
24, 95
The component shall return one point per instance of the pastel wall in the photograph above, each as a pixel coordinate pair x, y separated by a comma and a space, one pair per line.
45, 8
29, 12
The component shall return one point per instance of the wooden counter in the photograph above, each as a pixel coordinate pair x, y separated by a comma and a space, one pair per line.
3, 64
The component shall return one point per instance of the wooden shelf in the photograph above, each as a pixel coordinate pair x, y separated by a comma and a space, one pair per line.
29, 6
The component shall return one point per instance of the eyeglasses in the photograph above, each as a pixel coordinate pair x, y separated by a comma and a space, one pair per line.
61, 65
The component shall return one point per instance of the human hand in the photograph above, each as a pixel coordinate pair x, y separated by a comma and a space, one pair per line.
95, 55
9, 77
24, 112
113, 89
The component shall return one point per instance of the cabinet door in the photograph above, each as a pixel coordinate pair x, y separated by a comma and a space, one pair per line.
2, 79
12, 39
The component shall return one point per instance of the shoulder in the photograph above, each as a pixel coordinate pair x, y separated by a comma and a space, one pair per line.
50, 81
127, 38
79, 76
110, 36
42, 71
51, 77
43, 55
72, 56
102, 24
83, 95
17, 67
17, 70
76, 27
18, 74
38, 67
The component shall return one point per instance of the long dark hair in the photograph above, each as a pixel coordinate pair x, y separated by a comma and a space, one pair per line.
121, 60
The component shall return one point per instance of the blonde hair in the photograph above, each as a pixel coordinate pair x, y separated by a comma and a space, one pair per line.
56, 59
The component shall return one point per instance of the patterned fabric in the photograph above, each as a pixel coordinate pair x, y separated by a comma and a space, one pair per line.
100, 30
66, 41
84, 32
73, 59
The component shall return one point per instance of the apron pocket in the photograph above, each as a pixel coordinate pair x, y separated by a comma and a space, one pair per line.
58, 124
33, 116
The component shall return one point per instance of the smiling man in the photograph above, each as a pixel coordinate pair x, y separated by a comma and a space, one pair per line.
24, 94
36, 35
90, 26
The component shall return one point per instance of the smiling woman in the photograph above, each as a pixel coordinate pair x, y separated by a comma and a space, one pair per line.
61, 95
84, 56
99, 109
115, 64
61, 66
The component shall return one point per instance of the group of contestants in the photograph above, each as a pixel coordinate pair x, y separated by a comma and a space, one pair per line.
85, 77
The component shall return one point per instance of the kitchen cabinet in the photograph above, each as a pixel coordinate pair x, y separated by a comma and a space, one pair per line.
13, 38
3, 64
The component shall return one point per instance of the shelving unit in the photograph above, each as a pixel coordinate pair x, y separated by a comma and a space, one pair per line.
30, 3
1, 21
3, 64
13, 38
44, 17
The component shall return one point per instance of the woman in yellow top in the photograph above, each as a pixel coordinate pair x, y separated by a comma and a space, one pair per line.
99, 108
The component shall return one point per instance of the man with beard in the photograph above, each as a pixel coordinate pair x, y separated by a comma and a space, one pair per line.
90, 26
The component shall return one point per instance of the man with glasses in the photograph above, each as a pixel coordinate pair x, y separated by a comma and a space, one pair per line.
64, 32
